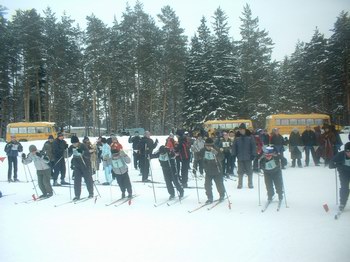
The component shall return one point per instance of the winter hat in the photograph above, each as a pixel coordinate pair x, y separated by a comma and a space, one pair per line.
59, 134
242, 126
162, 150
269, 150
209, 142
32, 148
74, 139
85, 139
50, 137
347, 147
103, 140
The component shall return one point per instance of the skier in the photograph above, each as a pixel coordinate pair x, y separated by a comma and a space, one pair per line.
48, 151
184, 155
81, 166
120, 171
12, 149
59, 147
106, 156
135, 140
145, 148
269, 163
212, 158
341, 161
167, 161
43, 169
245, 150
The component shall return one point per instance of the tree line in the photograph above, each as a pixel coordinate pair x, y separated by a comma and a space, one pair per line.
137, 73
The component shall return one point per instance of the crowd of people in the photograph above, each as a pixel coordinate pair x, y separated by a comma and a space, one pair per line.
214, 157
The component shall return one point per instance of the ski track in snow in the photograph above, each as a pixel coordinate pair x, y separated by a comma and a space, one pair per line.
90, 231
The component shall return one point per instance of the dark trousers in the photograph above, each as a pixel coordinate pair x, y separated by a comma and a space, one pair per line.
198, 164
12, 160
245, 167
344, 187
226, 164
309, 149
84, 172
44, 177
219, 182
171, 179
185, 165
136, 160
124, 183
59, 167
144, 167
274, 178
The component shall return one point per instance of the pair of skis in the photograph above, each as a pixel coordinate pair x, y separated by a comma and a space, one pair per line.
32, 200
268, 204
170, 202
209, 206
81, 200
121, 201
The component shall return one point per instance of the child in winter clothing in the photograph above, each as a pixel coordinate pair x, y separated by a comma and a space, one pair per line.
106, 158
341, 161
269, 163
212, 159
81, 165
120, 171
42, 165
167, 161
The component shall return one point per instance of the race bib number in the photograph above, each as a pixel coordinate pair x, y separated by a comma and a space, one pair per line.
164, 157
14, 147
347, 162
270, 165
118, 163
209, 155
225, 144
75, 152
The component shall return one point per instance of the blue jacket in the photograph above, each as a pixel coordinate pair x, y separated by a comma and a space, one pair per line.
244, 148
13, 147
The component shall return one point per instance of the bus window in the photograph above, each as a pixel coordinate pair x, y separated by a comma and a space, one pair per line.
22, 130
309, 122
319, 122
293, 122
31, 130
284, 122
301, 122
278, 122
13, 130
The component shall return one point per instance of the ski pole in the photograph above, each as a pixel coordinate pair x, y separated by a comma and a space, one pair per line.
150, 172
259, 188
25, 172
30, 174
195, 177
336, 186
284, 192
98, 192
69, 181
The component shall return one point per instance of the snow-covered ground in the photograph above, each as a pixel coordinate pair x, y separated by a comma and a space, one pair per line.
141, 232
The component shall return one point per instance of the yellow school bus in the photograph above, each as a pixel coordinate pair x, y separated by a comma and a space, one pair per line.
27, 131
212, 126
286, 122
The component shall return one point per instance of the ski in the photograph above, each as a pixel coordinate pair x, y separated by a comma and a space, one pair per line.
201, 206
115, 201
151, 182
27, 201
215, 204
126, 200
162, 203
266, 205
177, 200
84, 199
64, 203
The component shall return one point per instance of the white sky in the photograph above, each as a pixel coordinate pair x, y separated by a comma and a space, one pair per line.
285, 20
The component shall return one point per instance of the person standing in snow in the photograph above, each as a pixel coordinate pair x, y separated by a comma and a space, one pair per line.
106, 156
167, 162
225, 145
212, 163
184, 155
48, 151
269, 163
12, 149
197, 146
146, 147
135, 140
309, 141
43, 169
244, 149
295, 147
81, 166
120, 171
278, 142
59, 147
341, 161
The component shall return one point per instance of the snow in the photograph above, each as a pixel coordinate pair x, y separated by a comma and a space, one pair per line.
141, 232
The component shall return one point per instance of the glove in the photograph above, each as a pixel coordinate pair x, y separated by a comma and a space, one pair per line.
23, 155
38, 154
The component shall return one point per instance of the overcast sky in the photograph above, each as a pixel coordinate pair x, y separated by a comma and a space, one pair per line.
287, 21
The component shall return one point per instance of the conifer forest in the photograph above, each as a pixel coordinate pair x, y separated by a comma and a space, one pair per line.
143, 71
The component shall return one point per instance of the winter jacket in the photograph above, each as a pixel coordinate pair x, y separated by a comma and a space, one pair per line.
146, 146
58, 148
212, 161
183, 148
106, 154
341, 162
48, 150
167, 161
309, 138
226, 145
13, 148
135, 140
119, 163
269, 166
244, 148
41, 162
81, 157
